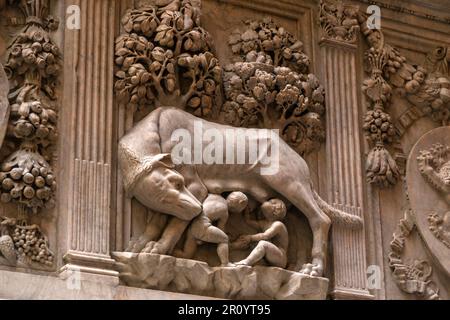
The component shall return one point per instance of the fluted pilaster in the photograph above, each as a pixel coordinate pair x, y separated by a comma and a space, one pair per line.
89, 157
345, 172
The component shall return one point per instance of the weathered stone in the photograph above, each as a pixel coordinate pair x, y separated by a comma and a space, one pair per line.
157, 272
73, 85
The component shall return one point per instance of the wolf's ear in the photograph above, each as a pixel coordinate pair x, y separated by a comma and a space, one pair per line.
165, 159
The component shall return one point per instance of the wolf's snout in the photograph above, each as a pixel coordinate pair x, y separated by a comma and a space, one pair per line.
192, 207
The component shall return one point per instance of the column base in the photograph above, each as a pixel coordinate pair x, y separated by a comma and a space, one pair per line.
351, 294
92, 267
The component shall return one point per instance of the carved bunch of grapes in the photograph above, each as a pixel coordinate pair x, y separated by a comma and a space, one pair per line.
31, 244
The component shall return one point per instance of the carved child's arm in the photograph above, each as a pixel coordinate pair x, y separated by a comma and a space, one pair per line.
270, 233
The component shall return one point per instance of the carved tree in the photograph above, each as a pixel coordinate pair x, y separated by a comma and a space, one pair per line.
271, 86
26, 177
165, 59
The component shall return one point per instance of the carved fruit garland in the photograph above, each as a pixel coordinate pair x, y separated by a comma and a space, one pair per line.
426, 87
26, 177
165, 59
272, 88
382, 170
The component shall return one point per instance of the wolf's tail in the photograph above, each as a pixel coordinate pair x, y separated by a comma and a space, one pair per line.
337, 216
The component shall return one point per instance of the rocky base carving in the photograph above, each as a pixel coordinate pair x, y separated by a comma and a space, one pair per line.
167, 273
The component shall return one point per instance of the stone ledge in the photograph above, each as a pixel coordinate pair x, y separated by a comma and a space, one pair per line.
167, 273
26, 286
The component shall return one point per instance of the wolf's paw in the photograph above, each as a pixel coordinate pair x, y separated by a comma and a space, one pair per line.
312, 269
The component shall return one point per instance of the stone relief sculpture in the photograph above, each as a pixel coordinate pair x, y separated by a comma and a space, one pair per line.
434, 165
147, 166
179, 191
272, 242
425, 87
382, 170
165, 59
29, 128
427, 197
270, 88
4, 104
23, 245
339, 21
414, 277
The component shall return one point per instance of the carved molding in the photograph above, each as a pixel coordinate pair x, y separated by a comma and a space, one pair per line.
401, 9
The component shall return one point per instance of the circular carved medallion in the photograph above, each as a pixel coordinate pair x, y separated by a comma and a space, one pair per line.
428, 179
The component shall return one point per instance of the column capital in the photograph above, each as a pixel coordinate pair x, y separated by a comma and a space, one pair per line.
339, 23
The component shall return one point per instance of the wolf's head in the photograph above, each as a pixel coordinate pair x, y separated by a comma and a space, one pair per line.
153, 181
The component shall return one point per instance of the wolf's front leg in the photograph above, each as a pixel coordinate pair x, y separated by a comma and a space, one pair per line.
170, 237
156, 223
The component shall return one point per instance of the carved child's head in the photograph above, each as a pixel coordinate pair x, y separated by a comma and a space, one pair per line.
237, 202
274, 210
153, 181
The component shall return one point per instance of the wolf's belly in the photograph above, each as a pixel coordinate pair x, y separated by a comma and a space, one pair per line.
241, 179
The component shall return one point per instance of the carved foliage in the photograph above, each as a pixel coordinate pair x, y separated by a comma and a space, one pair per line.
414, 277
271, 87
26, 175
164, 58
266, 38
338, 21
426, 87
380, 61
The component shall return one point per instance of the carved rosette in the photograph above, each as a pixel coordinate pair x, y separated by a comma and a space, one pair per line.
271, 86
338, 21
164, 59
26, 176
